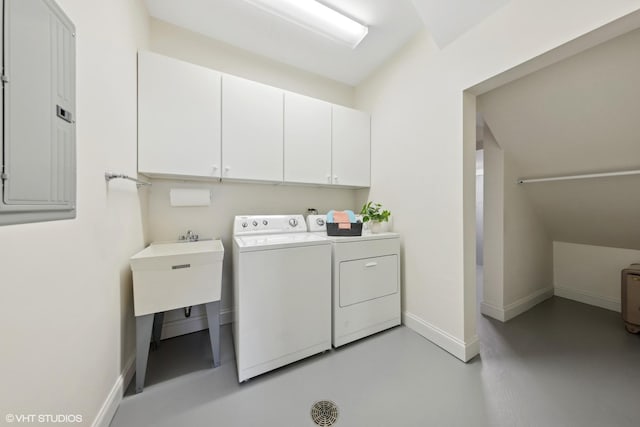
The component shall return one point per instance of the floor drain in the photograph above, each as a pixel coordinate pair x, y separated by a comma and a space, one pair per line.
324, 413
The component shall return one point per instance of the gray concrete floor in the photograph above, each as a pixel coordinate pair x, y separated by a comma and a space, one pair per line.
560, 364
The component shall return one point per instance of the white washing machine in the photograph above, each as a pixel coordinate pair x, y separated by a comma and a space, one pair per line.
282, 292
365, 282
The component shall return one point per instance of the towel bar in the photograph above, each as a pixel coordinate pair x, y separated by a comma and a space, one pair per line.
109, 176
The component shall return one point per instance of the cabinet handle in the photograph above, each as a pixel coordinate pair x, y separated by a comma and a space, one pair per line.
214, 167
227, 169
335, 178
371, 264
329, 179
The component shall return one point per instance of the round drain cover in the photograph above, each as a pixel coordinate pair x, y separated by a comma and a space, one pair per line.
324, 413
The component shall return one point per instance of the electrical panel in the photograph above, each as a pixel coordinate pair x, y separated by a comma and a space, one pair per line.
39, 112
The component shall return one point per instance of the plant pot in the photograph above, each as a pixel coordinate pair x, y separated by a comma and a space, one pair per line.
375, 227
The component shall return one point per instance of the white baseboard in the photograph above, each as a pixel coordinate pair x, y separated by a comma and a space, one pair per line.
128, 372
526, 303
516, 308
588, 298
111, 403
460, 349
188, 325
471, 349
184, 326
492, 311
226, 316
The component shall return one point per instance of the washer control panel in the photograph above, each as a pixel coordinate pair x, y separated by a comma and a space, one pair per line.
268, 224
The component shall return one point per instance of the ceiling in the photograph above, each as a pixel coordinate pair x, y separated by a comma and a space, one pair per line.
391, 24
448, 19
577, 116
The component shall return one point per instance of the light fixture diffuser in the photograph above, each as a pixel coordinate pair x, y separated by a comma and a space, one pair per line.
318, 18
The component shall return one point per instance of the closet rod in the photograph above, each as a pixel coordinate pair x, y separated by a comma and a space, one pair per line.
109, 176
585, 176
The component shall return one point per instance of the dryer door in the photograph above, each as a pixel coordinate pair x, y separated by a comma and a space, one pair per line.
369, 278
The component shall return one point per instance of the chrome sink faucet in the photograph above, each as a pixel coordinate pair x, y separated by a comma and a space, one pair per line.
190, 236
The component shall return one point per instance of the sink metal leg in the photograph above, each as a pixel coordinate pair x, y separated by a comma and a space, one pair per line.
144, 325
213, 318
158, 319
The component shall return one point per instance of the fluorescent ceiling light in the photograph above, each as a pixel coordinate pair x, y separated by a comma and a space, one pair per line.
316, 17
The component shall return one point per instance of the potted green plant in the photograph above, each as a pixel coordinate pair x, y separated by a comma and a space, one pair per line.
372, 211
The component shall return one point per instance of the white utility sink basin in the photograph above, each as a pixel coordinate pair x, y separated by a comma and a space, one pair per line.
167, 276
174, 275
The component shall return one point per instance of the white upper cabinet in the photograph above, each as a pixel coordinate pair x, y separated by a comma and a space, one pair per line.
178, 118
252, 130
307, 140
351, 147
194, 122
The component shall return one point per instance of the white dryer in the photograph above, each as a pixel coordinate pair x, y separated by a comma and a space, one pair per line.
365, 282
282, 292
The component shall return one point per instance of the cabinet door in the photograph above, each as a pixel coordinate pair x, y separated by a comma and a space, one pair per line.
252, 130
351, 147
178, 117
307, 140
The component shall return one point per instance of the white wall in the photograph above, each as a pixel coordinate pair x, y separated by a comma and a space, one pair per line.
590, 274
230, 199
577, 116
518, 249
479, 206
420, 147
189, 46
542, 121
66, 307
528, 250
493, 245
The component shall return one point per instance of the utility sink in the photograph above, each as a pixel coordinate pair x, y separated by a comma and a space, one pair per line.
167, 276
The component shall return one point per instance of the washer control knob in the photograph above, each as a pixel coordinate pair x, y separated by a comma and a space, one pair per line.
320, 221
244, 224
293, 222
255, 223
265, 222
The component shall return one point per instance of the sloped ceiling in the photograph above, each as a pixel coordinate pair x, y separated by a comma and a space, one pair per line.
237, 22
581, 115
391, 24
447, 20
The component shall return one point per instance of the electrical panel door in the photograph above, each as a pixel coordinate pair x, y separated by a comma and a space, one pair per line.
39, 110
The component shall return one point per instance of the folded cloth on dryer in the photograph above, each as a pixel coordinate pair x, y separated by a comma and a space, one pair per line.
343, 218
